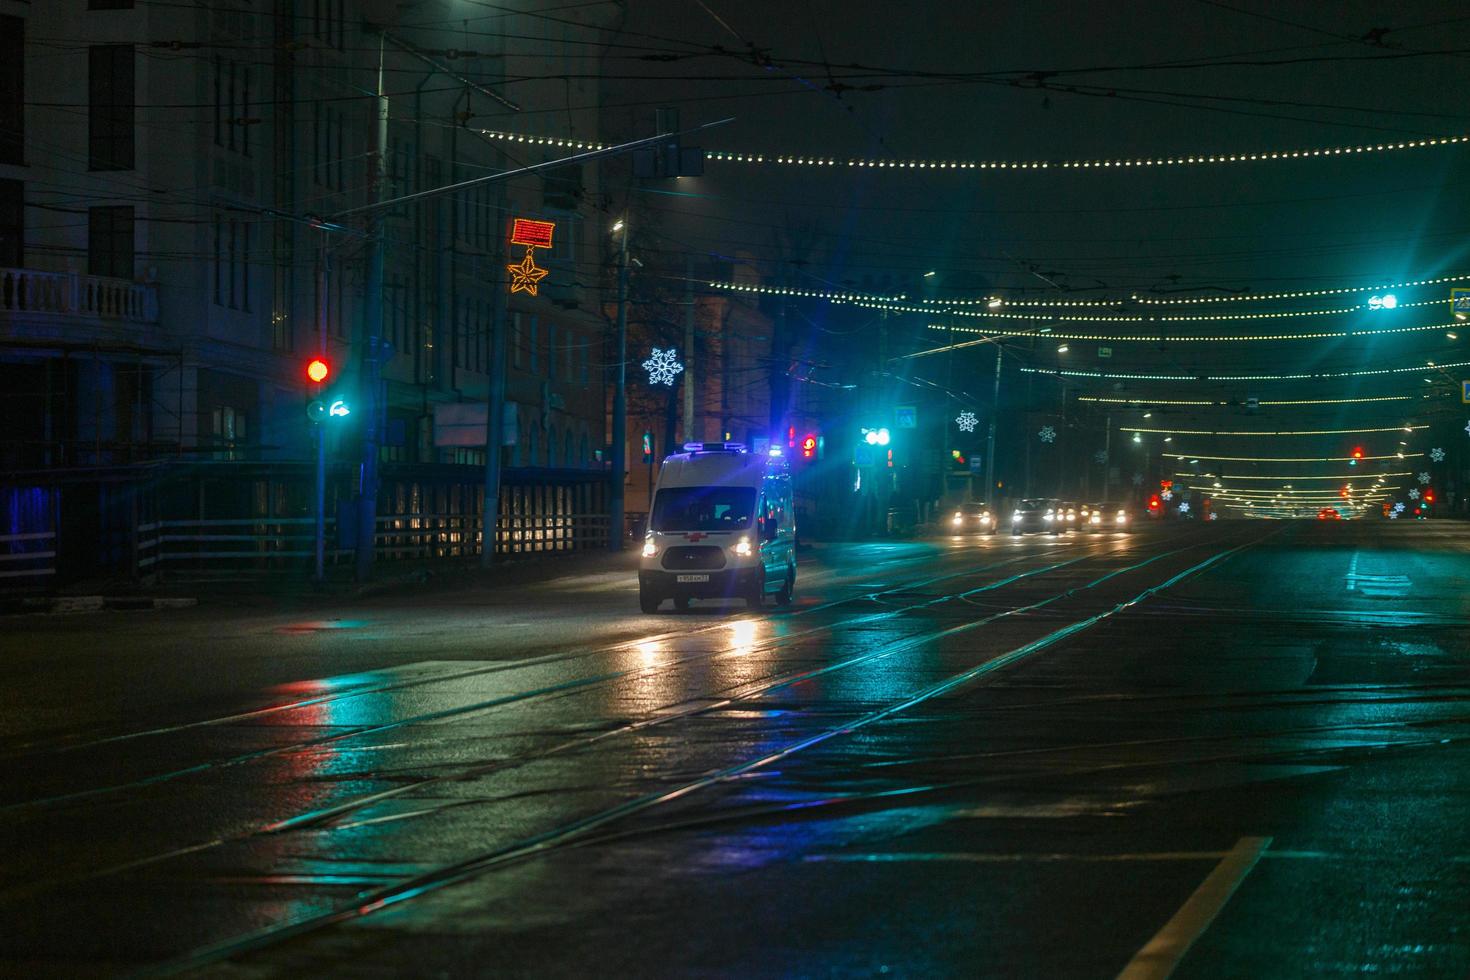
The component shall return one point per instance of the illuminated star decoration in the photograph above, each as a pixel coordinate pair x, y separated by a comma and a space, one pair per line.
525, 274
1424, 477
1413, 493
1101, 456
1138, 479
1167, 495
662, 366
1184, 507
966, 421
1437, 454
1049, 434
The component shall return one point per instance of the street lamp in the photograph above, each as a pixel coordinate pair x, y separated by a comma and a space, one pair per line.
620, 399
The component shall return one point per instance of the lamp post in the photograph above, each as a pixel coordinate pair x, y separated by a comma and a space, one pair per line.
620, 400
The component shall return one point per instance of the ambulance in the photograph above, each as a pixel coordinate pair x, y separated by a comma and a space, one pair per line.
722, 525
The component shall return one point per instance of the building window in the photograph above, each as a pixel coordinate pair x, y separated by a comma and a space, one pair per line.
329, 22
12, 89
328, 143
533, 347
517, 340
232, 263
551, 352
12, 224
110, 109
232, 106
227, 425
110, 242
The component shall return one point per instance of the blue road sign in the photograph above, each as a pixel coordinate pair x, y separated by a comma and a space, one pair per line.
1460, 302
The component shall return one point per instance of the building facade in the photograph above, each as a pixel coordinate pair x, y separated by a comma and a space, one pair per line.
165, 275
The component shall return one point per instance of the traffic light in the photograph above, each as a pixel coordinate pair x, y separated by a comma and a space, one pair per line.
1357, 455
1154, 503
322, 405
1345, 491
1428, 496
957, 459
647, 446
809, 446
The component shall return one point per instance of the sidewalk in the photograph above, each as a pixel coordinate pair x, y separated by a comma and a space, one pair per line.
389, 578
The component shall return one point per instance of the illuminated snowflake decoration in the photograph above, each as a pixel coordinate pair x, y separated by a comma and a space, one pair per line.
1100, 456
1184, 507
1213, 516
663, 366
1393, 515
1424, 477
1138, 479
1437, 454
1167, 495
1049, 434
1467, 428
966, 421
1398, 507
1414, 493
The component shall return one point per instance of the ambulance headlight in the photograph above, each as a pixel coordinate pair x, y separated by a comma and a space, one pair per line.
742, 548
649, 548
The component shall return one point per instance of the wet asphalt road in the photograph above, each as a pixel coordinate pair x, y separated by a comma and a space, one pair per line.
1219, 750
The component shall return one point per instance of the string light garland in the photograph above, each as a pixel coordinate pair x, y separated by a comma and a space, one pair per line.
1149, 402
1295, 294
1299, 432
736, 287
1331, 476
1122, 163
1195, 338
1242, 377
1284, 459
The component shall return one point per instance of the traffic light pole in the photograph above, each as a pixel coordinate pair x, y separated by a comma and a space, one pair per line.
495, 406
990, 437
620, 406
367, 484
322, 273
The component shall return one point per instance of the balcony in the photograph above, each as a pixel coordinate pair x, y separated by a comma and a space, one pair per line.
33, 293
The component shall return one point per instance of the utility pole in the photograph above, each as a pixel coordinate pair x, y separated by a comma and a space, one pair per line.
990, 437
367, 484
689, 434
1107, 458
495, 398
323, 274
620, 402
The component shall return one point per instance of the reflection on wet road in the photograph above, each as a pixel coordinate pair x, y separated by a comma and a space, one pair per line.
1234, 750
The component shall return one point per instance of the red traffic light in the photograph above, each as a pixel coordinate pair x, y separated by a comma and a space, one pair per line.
317, 370
1154, 503
809, 447
1357, 452
1429, 495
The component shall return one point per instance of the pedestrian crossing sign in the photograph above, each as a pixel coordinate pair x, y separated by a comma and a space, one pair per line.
1460, 303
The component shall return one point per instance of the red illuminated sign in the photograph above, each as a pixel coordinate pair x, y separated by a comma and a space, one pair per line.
536, 234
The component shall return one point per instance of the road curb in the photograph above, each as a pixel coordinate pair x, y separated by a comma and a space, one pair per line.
57, 605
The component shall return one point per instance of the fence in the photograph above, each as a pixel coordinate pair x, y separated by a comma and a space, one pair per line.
34, 291
290, 542
27, 560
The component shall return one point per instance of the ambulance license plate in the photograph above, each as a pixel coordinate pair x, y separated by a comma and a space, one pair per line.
693, 578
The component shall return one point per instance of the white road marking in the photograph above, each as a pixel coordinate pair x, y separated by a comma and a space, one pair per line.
1378, 586
1162, 954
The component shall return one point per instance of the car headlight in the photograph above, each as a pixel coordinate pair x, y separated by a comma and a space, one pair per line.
742, 548
1071, 516
958, 519
649, 548
1096, 518
1048, 517
984, 518
1015, 515
1122, 518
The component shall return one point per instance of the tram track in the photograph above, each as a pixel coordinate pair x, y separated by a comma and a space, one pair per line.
573, 830
771, 645
692, 706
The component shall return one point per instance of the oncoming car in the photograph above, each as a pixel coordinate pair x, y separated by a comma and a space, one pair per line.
1038, 514
723, 525
972, 517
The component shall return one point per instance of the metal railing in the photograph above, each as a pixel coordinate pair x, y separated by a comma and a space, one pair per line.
36, 292
27, 558
271, 543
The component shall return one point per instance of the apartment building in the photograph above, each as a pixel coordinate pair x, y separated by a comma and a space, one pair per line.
163, 274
